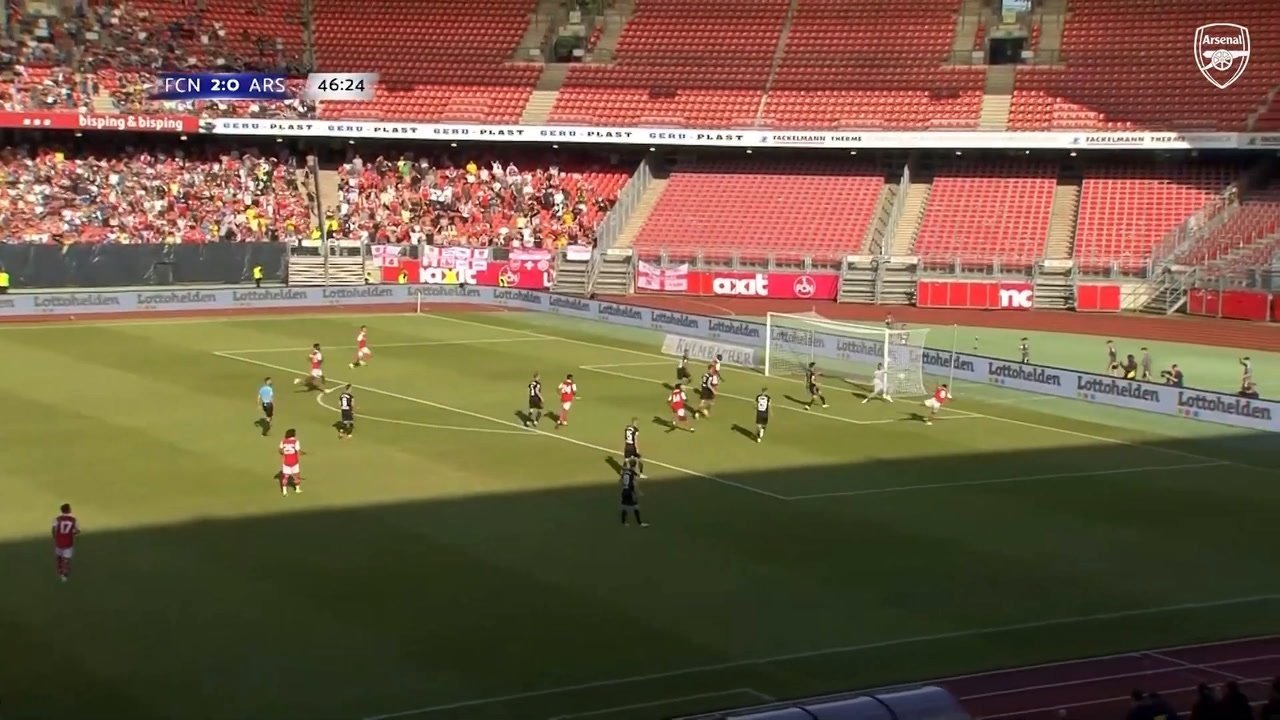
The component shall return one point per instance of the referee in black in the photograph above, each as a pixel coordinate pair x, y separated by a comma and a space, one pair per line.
631, 494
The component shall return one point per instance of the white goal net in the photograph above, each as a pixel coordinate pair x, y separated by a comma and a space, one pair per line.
847, 351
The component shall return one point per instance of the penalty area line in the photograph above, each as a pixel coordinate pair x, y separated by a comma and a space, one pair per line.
845, 650
506, 423
429, 426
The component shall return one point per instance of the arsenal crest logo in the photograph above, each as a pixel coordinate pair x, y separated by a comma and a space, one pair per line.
1222, 52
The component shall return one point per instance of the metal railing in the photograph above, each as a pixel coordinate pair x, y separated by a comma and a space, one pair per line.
609, 229
895, 213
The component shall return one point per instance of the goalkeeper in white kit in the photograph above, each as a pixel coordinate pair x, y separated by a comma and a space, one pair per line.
879, 385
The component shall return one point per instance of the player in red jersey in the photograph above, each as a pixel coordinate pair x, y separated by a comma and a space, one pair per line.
65, 530
568, 391
315, 377
935, 403
362, 348
677, 400
290, 472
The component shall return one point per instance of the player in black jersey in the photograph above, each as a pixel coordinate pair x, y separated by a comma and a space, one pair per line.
682, 369
763, 401
347, 407
706, 393
631, 494
535, 400
811, 376
630, 451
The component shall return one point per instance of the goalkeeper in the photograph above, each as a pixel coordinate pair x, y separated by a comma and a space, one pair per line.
879, 385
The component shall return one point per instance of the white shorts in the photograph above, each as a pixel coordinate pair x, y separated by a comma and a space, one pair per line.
64, 553
289, 470
880, 389
933, 404
680, 413
317, 372
566, 406
364, 352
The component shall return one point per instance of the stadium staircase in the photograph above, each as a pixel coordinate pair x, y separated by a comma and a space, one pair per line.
612, 274
1050, 17
615, 19
968, 25
571, 276
538, 32
779, 51
882, 218
640, 212
997, 97
311, 270
538, 110
902, 237
1062, 218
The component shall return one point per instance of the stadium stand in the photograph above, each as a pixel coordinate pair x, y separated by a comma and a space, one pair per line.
497, 199
834, 72
1246, 237
1126, 209
1112, 51
137, 195
438, 61
979, 213
703, 64
724, 209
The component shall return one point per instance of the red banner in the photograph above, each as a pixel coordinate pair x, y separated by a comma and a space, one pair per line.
774, 285
1097, 298
494, 274
1233, 304
112, 122
975, 295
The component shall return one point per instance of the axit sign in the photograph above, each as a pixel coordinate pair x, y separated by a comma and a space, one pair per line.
757, 286
447, 276
1017, 297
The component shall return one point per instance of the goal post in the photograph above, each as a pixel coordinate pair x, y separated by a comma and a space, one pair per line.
844, 350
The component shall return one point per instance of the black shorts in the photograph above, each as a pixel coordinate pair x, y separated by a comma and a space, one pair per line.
629, 499
814, 389
630, 451
268, 410
707, 394
682, 373
535, 403
348, 416
762, 418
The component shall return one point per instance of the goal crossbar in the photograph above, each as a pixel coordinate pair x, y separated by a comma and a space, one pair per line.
863, 354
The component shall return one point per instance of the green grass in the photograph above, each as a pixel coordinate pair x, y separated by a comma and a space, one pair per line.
484, 573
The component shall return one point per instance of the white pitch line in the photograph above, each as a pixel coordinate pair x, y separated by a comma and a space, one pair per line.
1202, 668
508, 423
997, 481
809, 413
430, 426
618, 365
1101, 701
668, 701
1050, 428
418, 343
842, 650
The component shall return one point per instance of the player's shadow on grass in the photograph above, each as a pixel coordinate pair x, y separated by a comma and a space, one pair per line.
612, 462
744, 432
263, 426
524, 417
669, 386
797, 401
914, 417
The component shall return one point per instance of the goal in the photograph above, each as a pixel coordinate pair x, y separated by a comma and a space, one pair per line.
847, 351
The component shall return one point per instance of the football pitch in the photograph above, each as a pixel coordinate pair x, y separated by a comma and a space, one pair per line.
448, 563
